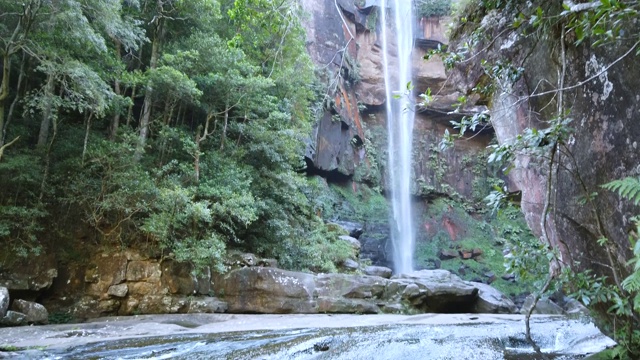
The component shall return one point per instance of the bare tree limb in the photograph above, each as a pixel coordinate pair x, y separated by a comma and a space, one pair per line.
7, 145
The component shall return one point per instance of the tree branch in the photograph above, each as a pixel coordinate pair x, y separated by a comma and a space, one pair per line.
7, 145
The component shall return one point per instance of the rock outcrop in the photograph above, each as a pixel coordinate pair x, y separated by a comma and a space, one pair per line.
270, 290
4, 300
35, 313
601, 145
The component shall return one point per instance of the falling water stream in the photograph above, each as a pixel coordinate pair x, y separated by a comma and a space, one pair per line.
400, 127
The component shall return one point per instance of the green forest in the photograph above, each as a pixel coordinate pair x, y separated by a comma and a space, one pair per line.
178, 128
173, 125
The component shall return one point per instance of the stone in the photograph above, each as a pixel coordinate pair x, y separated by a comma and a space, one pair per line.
411, 291
237, 259
36, 273
492, 301
448, 254
143, 271
575, 308
350, 286
86, 308
105, 270
4, 301
179, 278
490, 276
354, 229
444, 292
206, 304
266, 290
376, 243
109, 306
477, 252
13, 318
35, 313
355, 244
350, 264
119, 290
347, 306
508, 277
273, 263
466, 254
203, 281
143, 288
543, 306
381, 271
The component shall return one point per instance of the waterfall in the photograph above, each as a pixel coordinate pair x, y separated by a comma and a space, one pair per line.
400, 117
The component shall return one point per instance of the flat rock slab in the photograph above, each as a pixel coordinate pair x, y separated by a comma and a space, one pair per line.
342, 335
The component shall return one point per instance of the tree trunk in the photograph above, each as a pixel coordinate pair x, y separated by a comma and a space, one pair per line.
46, 116
224, 128
3, 136
145, 117
47, 161
86, 137
130, 110
196, 156
4, 94
115, 121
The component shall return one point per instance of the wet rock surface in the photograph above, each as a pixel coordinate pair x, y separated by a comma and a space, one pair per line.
270, 290
459, 336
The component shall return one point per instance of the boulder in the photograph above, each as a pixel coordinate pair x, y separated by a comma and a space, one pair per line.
238, 259
376, 244
350, 265
266, 290
34, 273
350, 286
119, 290
381, 271
206, 304
440, 291
575, 308
179, 278
35, 313
268, 263
4, 300
447, 254
13, 318
353, 228
543, 306
492, 301
105, 271
355, 244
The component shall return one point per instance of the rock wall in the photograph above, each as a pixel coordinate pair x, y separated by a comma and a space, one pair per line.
603, 144
345, 43
349, 145
129, 283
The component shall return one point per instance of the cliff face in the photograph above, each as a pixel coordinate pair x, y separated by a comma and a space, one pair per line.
600, 96
349, 146
345, 42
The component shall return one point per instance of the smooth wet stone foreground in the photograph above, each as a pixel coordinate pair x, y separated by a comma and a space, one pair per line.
225, 336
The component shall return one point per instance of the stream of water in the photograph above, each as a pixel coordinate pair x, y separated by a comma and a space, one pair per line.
400, 117
490, 339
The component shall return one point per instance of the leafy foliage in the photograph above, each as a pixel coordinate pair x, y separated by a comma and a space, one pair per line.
628, 188
177, 125
429, 8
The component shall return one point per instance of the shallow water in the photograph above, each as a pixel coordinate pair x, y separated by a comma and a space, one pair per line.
559, 337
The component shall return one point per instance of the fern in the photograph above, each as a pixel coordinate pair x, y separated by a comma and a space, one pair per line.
628, 188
